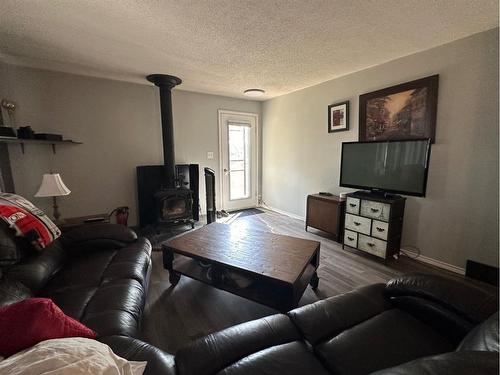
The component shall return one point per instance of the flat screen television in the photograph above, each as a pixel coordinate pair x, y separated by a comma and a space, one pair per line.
387, 166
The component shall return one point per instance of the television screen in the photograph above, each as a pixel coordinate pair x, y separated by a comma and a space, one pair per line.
391, 166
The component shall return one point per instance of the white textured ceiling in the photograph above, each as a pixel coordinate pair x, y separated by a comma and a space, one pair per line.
226, 46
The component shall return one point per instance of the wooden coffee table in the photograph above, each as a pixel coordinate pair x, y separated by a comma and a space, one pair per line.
264, 267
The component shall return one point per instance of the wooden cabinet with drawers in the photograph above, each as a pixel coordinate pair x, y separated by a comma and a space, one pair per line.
373, 223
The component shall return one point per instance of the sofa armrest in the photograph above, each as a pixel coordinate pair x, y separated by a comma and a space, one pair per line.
99, 236
212, 353
468, 300
456, 363
324, 319
159, 362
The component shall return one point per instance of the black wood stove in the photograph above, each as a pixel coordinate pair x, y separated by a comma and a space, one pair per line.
162, 195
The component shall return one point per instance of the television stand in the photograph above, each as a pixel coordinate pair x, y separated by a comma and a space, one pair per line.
374, 223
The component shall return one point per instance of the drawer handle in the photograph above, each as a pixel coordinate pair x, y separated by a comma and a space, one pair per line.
350, 238
370, 244
352, 204
374, 209
380, 229
357, 223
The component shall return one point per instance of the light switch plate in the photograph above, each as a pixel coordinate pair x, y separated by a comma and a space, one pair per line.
210, 155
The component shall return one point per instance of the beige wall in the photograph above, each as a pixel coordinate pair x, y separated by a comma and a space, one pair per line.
458, 219
119, 125
196, 130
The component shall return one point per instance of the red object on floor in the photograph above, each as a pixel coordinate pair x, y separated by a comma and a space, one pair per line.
28, 322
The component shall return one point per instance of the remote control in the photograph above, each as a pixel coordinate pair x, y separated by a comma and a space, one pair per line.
325, 193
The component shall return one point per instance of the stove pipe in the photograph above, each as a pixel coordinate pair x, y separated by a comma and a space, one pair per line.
166, 83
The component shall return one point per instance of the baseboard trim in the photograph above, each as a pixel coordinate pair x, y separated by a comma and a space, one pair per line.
286, 213
433, 262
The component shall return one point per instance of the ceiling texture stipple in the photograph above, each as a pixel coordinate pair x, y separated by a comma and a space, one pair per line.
226, 46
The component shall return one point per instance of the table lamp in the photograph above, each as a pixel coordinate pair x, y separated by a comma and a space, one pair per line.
53, 186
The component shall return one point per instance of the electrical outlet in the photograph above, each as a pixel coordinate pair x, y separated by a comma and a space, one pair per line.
210, 155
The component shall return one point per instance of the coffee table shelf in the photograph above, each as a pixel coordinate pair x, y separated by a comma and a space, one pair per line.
272, 294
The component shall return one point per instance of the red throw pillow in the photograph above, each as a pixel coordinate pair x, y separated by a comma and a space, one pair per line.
28, 322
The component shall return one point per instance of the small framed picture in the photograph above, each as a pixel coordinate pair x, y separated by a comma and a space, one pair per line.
338, 117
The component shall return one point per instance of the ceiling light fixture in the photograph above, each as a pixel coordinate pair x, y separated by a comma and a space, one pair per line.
254, 92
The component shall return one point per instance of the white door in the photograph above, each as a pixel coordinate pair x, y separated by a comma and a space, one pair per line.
238, 159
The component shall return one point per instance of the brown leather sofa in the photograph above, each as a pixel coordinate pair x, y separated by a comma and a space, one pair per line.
415, 324
97, 274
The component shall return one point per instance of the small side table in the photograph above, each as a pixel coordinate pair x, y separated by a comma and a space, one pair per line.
70, 223
326, 213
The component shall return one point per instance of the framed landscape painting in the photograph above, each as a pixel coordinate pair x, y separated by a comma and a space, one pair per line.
338, 117
404, 111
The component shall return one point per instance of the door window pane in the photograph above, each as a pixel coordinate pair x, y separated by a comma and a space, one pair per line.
239, 161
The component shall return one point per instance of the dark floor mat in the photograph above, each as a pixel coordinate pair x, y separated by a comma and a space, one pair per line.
247, 212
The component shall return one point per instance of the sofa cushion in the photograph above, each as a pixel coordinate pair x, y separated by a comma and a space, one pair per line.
462, 363
112, 308
294, 358
327, 318
388, 339
215, 352
483, 337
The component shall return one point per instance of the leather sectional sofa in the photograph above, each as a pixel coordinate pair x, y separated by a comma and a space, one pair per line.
445, 325
415, 324
97, 274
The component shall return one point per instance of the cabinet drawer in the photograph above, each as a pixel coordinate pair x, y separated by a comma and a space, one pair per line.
376, 210
350, 238
372, 245
358, 223
352, 205
380, 229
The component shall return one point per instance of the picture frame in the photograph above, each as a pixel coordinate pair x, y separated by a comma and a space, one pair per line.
338, 117
404, 111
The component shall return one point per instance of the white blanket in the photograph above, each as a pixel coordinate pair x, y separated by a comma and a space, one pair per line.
71, 356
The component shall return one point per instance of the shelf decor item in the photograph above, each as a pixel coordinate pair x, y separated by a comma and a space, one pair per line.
405, 111
5, 131
338, 117
53, 186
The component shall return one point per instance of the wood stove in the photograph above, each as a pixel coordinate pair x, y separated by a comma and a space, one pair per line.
161, 199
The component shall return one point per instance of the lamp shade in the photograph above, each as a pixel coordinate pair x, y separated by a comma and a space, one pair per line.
52, 186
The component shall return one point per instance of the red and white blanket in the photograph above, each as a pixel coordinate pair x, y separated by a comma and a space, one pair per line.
27, 220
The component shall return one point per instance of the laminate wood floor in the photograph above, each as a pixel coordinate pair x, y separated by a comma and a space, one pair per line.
175, 316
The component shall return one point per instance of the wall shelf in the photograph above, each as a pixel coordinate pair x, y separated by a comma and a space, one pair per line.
24, 142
